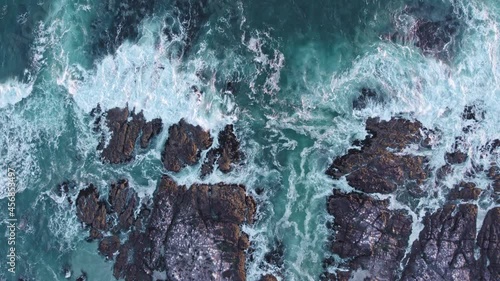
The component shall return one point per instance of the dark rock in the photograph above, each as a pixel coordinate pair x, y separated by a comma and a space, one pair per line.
125, 128
109, 245
150, 130
473, 112
445, 248
184, 145
82, 277
229, 148
209, 162
275, 255
488, 241
268, 277
124, 134
368, 234
367, 96
434, 37
464, 191
457, 157
91, 211
123, 201
378, 167
226, 155
193, 234
494, 175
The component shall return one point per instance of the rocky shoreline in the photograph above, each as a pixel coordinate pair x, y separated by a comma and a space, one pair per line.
371, 236
181, 233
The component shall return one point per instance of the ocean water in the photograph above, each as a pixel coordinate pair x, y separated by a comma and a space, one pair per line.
295, 67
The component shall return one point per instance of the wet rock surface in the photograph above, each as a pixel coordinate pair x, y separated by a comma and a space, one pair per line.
109, 245
464, 191
433, 33
268, 277
125, 127
184, 145
115, 215
92, 211
367, 231
369, 235
488, 241
197, 228
380, 166
226, 155
445, 248
367, 96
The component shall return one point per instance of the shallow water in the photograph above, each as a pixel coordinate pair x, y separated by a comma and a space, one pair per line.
296, 67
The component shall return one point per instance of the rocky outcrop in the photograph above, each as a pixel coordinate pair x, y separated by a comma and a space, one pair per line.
109, 245
123, 201
192, 234
115, 215
125, 128
226, 155
381, 165
369, 235
488, 241
91, 211
184, 145
464, 191
445, 248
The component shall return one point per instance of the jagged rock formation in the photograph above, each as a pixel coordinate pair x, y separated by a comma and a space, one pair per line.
372, 237
445, 248
125, 128
226, 155
192, 234
380, 167
184, 145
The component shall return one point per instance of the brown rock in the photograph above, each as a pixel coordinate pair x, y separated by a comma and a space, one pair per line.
378, 166
464, 191
184, 145
488, 241
368, 234
193, 233
445, 248
125, 127
123, 201
91, 211
109, 245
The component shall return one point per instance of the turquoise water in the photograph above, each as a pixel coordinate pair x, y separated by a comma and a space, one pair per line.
296, 67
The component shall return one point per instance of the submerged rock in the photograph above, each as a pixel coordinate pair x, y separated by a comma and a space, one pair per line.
380, 166
193, 234
368, 234
125, 128
367, 96
434, 37
184, 145
445, 248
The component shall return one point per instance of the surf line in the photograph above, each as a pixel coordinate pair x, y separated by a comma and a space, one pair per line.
11, 220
